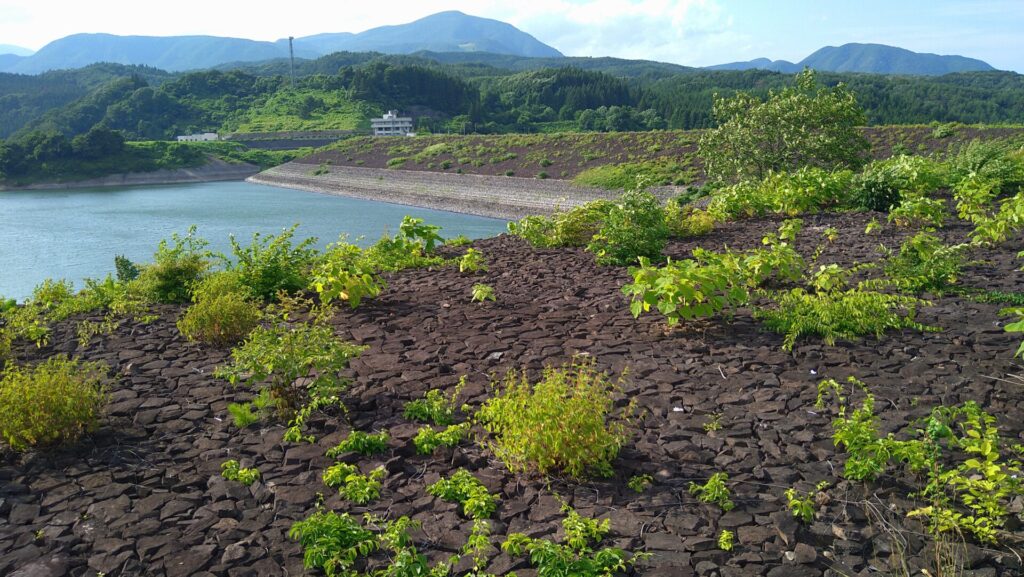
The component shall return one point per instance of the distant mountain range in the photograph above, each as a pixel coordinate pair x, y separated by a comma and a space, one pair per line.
441, 32
456, 36
869, 58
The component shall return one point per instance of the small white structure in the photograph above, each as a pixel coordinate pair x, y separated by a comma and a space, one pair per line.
391, 124
204, 137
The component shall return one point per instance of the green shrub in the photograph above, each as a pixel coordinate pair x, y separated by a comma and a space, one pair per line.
883, 183
472, 262
575, 555
222, 313
53, 403
566, 422
463, 488
714, 491
989, 160
362, 443
127, 271
353, 486
924, 263
343, 273
333, 542
687, 222
435, 407
806, 190
482, 292
919, 211
427, 440
1006, 222
635, 227
176, 269
232, 471
271, 264
539, 231
849, 314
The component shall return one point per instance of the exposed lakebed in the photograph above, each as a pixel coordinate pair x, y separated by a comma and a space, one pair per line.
75, 234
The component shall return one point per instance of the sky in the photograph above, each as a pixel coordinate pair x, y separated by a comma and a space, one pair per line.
689, 32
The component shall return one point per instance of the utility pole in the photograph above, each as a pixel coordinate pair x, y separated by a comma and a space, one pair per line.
291, 65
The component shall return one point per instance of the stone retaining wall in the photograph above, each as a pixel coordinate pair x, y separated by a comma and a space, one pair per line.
493, 196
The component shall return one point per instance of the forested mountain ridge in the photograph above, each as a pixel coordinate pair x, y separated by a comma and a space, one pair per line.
867, 58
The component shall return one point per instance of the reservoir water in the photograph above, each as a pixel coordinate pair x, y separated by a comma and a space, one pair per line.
74, 234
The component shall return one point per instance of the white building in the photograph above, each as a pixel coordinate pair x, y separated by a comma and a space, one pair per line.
204, 137
391, 124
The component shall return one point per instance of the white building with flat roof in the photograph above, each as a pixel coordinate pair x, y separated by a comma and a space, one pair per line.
204, 137
391, 124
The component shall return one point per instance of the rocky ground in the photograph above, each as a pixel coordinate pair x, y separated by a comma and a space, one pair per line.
143, 495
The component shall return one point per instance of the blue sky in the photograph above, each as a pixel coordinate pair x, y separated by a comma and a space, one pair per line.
691, 32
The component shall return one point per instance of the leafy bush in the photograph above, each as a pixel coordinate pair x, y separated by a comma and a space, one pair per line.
1008, 221
924, 263
222, 313
435, 407
806, 190
640, 483
566, 422
687, 222
919, 211
176, 269
988, 160
848, 314
245, 414
883, 183
635, 227
575, 555
427, 440
232, 471
574, 227
472, 262
362, 443
415, 230
343, 273
281, 354
975, 196
353, 486
482, 292
463, 488
631, 175
127, 271
332, 542
714, 491
52, 403
969, 482
271, 264
683, 290
797, 126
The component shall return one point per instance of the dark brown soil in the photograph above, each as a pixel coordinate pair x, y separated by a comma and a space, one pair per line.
564, 156
143, 496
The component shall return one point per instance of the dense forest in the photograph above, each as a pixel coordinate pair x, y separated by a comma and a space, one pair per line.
482, 94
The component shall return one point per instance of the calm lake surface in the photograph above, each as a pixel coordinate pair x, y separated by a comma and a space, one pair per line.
74, 234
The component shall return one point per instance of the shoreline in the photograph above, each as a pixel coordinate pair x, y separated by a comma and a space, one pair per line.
214, 171
503, 197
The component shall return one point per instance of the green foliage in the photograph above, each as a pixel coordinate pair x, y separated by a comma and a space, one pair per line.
435, 407
245, 414
634, 227
344, 274
999, 227
281, 354
924, 263
576, 555
221, 312
797, 126
687, 222
566, 422
482, 292
834, 315
1015, 327
919, 211
968, 482
333, 542
800, 504
472, 262
53, 403
634, 175
231, 471
426, 235
726, 540
427, 439
995, 161
126, 270
463, 488
176, 268
271, 264
640, 483
575, 227
714, 491
805, 190
353, 486
362, 443
883, 183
